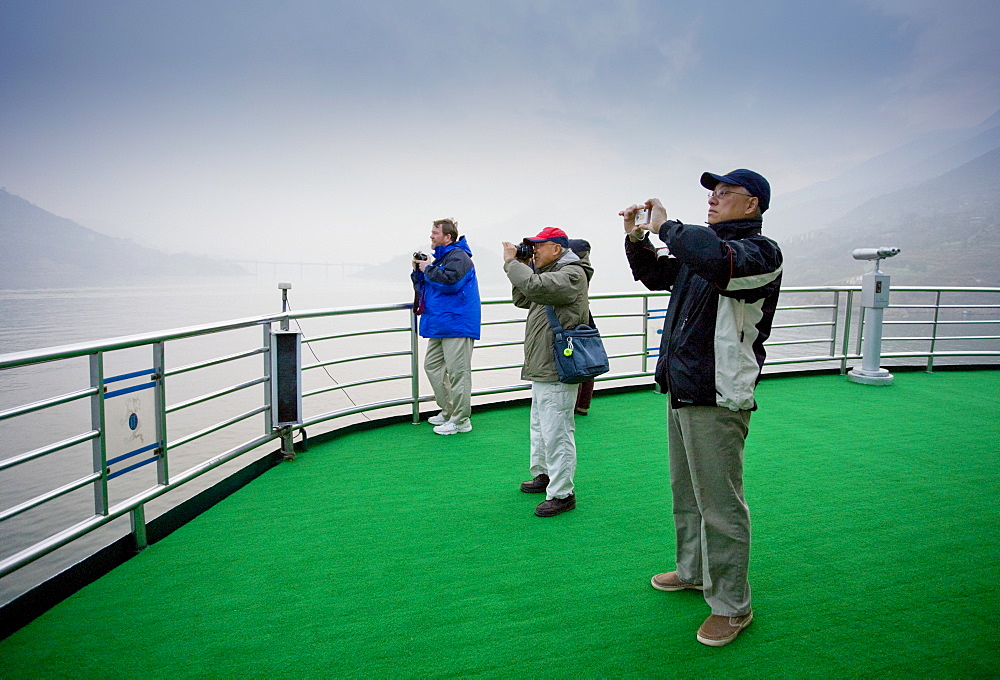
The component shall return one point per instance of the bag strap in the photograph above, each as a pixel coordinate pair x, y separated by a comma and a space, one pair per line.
553, 320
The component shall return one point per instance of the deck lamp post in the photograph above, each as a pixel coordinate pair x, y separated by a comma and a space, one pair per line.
285, 355
874, 299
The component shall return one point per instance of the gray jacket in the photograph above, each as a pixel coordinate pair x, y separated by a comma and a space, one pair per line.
564, 284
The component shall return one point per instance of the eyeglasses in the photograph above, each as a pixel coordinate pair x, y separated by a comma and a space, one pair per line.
722, 192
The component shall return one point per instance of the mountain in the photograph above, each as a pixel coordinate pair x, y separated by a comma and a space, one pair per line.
923, 159
41, 250
948, 229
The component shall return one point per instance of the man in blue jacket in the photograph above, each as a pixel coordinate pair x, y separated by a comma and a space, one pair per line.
723, 281
449, 309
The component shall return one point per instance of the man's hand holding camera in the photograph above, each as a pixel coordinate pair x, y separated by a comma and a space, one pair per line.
522, 252
639, 219
420, 261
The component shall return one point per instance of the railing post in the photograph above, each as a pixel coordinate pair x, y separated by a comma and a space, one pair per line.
268, 414
99, 446
645, 333
138, 516
414, 368
160, 407
848, 309
833, 328
934, 332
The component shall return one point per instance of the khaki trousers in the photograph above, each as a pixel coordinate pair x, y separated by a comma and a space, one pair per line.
448, 365
711, 516
553, 444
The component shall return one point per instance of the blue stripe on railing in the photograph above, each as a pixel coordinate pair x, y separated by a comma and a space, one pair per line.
132, 467
126, 376
126, 390
132, 453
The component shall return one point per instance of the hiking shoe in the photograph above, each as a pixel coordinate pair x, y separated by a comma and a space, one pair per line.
536, 485
439, 419
451, 427
721, 630
555, 506
670, 583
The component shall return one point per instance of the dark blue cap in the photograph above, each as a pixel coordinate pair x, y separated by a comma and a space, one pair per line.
748, 179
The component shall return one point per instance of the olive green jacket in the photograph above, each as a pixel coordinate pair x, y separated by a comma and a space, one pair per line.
564, 284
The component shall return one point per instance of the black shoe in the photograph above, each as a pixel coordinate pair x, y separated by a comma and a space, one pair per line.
536, 485
556, 506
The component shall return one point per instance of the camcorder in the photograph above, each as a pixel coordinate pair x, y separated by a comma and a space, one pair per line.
524, 251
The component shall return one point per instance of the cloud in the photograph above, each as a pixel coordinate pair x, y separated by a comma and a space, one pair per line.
214, 126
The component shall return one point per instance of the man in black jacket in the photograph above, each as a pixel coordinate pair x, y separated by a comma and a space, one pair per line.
724, 281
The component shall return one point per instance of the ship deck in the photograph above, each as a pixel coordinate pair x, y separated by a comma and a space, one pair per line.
394, 552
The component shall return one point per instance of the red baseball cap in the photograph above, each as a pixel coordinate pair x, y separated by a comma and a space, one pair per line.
554, 234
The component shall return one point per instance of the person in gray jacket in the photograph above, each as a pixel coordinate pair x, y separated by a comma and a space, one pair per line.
560, 278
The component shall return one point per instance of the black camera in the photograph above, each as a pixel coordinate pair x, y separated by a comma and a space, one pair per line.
419, 256
524, 251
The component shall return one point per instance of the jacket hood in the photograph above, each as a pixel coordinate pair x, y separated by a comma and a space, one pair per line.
569, 257
441, 251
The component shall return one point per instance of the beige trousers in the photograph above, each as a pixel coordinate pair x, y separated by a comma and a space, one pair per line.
448, 365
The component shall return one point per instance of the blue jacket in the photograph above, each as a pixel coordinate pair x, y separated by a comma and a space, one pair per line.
448, 291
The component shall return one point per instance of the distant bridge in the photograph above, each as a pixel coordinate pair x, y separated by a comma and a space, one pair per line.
274, 267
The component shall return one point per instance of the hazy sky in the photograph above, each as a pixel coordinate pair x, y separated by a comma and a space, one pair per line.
337, 130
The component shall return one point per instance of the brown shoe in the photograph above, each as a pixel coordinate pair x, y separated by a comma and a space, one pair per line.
670, 583
721, 630
536, 485
556, 506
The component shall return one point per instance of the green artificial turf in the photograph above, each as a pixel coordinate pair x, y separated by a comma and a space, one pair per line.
400, 553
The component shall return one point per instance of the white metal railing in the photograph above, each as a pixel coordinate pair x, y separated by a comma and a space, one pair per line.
818, 327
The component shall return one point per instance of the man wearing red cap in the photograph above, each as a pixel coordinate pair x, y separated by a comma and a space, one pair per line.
724, 281
559, 278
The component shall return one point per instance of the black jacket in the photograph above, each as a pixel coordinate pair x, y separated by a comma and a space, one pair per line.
724, 282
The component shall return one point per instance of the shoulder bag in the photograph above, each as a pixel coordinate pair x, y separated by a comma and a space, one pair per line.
579, 353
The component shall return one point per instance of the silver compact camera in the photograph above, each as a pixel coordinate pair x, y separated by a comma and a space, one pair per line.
642, 217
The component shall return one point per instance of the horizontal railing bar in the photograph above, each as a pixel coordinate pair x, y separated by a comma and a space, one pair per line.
931, 322
608, 336
502, 322
792, 308
46, 403
214, 395
338, 336
218, 426
783, 343
491, 345
214, 362
46, 450
808, 324
360, 357
941, 353
478, 369
51, 495
358, 383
